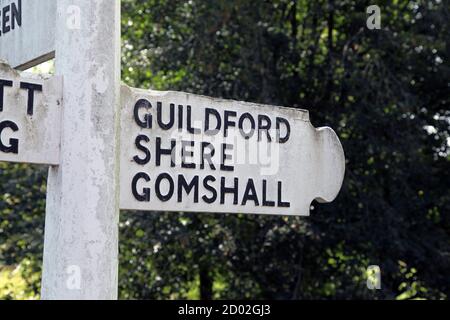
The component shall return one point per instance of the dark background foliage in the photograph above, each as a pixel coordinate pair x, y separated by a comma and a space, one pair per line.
385, 92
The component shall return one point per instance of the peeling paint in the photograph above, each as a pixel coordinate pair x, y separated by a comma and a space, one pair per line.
82, 202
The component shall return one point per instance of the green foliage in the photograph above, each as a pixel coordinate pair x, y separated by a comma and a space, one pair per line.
386, 92
22, 207
17, 283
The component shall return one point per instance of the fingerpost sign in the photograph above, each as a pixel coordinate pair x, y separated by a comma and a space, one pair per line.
110, 147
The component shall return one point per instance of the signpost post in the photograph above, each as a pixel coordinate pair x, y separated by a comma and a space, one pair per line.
112, 147
81, 225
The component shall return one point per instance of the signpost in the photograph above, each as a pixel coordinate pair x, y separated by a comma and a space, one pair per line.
112, 147
184, 152
27, 32
30, 117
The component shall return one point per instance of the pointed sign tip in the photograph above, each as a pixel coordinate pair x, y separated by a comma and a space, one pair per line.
332, 160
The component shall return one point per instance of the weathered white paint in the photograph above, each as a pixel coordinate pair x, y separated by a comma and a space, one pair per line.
81, 226
32, 42
310, 165
38, 135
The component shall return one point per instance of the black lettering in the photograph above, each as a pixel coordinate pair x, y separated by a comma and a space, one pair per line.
146, 123
207, 156
3, 84
144, 149
180, 117
265, 202
169, 125
13, 143
145, 195
225, 157
186, 153
31, 87
182, 184
160, 151
190, 129
16, 14
284, 139
5, 26
247, 135
208, 131
227, 122
210, 188
233, 190
281, 204
250, 193
264, 127
168, 196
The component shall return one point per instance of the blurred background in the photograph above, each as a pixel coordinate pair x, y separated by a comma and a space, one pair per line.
385, 91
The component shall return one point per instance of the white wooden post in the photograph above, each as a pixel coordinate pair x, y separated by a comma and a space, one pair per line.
81, 225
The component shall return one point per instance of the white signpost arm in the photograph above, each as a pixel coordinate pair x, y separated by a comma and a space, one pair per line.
81, 227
